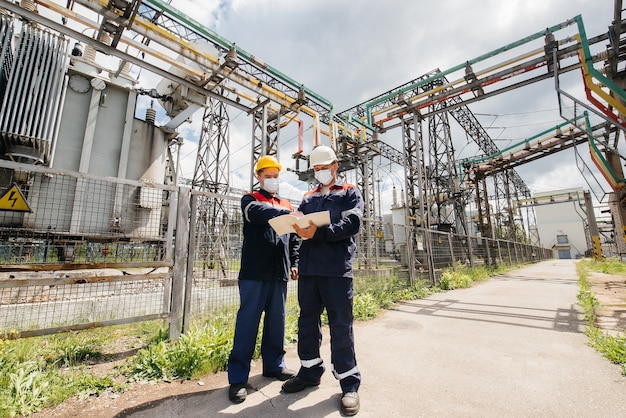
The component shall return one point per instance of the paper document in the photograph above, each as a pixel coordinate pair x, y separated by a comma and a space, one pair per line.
283, 224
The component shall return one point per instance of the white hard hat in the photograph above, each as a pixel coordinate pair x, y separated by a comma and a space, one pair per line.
322, 155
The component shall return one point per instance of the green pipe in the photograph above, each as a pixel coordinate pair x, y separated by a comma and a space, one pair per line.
597, 151
226, 44
540, 134
352, 120
587, 61
493, 53
517, 144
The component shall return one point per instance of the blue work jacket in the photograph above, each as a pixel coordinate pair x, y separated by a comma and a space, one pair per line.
266, 255
331, 251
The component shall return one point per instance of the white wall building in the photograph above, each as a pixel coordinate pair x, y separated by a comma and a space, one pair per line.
561, 222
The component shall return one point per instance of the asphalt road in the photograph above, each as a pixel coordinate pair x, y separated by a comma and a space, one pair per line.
513, 346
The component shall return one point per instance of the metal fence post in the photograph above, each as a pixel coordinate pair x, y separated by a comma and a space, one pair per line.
452, 258
508, 252
470, 250
180, 262
191, 260
410, 252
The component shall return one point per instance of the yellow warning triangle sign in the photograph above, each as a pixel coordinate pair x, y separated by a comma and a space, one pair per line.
13, 199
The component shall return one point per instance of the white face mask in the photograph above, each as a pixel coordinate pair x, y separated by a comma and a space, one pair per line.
324, 177
271, 185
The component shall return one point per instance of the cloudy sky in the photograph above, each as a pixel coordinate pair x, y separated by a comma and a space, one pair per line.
350, 51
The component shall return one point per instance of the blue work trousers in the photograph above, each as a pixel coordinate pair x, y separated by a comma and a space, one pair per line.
256, 297
336, 294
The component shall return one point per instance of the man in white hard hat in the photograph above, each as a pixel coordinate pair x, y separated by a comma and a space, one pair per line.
325, 281
267, 262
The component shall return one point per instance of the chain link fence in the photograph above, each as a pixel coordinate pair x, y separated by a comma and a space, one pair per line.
98, 251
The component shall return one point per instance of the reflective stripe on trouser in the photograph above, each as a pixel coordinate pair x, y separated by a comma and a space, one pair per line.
311, 363
339, 376
255, 298
334, 293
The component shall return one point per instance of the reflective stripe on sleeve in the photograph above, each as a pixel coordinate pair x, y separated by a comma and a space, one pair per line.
245, 211
354, 211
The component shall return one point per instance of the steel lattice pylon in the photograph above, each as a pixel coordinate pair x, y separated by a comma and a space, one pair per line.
265, 137
365, 183
442, 172
416, 195
474, 130
211, 174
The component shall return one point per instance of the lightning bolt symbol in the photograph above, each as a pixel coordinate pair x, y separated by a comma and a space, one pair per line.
13, 199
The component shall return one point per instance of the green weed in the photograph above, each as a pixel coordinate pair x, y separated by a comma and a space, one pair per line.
44, 371
41, 372
365, 306
451, 279
25, 390
202, 350
611, 347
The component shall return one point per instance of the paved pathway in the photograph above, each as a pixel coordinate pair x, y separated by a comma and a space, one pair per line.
513, 346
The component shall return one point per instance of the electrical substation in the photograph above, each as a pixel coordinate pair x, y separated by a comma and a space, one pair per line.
101, 186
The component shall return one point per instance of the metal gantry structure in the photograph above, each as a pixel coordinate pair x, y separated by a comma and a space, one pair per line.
211, 73
211, 173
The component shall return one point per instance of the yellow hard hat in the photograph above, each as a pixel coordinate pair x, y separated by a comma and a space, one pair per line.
267, 161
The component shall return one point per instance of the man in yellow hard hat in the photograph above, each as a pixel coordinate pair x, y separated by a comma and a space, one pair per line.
268, 261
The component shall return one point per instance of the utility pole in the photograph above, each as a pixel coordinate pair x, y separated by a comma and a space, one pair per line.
593, 227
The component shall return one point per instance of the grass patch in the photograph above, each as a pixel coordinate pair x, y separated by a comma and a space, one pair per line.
382, 293
462, 276
41, 372
44, 371
202, 350
611, 347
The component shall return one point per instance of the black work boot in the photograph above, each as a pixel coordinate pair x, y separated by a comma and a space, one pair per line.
350, 403
237, 392
296, 384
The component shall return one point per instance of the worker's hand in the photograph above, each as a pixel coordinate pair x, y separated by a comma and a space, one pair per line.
305, 233
294, 273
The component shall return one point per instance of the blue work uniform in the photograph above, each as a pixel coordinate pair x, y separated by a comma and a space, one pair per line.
266, 261
325, 281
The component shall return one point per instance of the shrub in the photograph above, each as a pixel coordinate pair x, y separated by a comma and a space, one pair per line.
451, 280
365, 306
25, 391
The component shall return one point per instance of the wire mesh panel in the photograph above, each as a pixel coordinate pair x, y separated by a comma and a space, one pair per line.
217, 252
441, 247
460, 249
56, 301
91, 251
217, 243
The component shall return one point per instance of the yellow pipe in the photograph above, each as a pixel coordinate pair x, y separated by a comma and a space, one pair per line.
186, 48
597, 88
159, 55
481, 73
608, 176
254, 83
129, 42
251, 83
